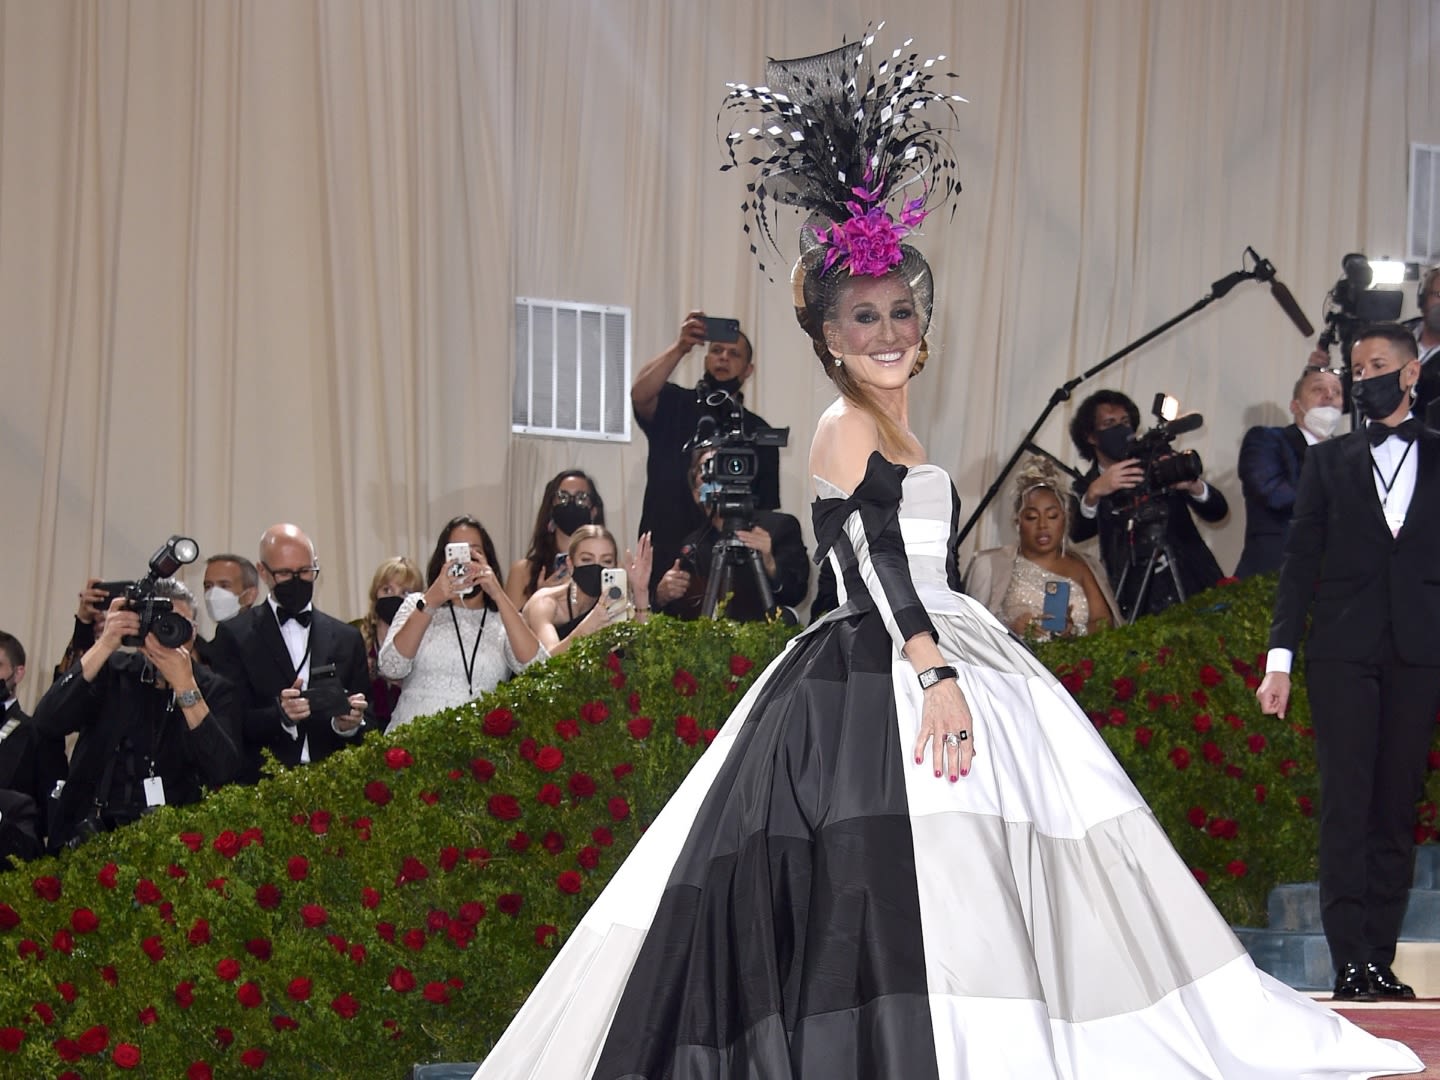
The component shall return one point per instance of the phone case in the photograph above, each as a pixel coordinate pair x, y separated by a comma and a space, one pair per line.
1057, 606
614, 590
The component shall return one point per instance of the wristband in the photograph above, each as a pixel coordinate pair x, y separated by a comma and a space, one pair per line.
930, 676
420, 604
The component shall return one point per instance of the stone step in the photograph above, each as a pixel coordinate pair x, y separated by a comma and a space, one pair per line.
1296, 908
1427, 866
444, 1071
1299, 960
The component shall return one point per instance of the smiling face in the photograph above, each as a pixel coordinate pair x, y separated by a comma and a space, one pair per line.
1041, 523
875, 331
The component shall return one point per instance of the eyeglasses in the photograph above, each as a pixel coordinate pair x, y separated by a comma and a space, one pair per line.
577, 498
307, 573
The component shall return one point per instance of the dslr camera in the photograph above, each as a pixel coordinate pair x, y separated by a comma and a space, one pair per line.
157, 613
1162, 464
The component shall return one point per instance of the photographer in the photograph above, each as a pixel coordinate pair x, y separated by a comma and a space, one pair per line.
670, 414
1133, 518
153, 724
1426, 329
29, 764
774, 535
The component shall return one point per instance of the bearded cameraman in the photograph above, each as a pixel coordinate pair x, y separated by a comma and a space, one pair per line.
1103, 431
153, 724
670, 414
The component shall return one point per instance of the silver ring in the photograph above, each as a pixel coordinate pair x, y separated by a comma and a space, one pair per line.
952, 738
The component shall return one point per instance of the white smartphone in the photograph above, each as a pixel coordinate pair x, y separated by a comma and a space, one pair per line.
614, 591
458, 556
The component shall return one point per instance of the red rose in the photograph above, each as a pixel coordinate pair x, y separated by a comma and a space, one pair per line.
44, 1012
259, 948
589, 857
567, 730
30, 948
1073, 682
1124, 688
499, 722
594, 712
602, 836
1212, 753
397, 757
154, 948
146, 892
283, 1023
199, 933
357, 953
47, 888
449, 858
412, 869
437, 993
740, 665
224, 1036
582, 785
1180, 757
550, 795
345, 1006
1433, 760
253, 1058
460, 934
108, 875
481, 769
509, 903
11, 1038
148, 1015
1202, 723
619, 808
402, 981
248, 994
413, 939
298, 990
313, 915
549, 758
369, 898
320, 822
1237, 868
1261, 793
1307, 808
1211, 676
553, 842
708, 735
1197, 816
612, 661
185, 994
1223, 828
66, 991
1200, 698
385, 931
478, 855
632, 703
218, 884
1256, 743
684, 683
529, 748
1143, 735
544, 934
1288, 766
570, 881
1234, 721
63, 942
126, 1055
176, 872
94, 1039
361, 825
504, 807
109, 974
227, 844
639, 727
67, 1049
378, 792
1116, 716
470, 912
199, 1070
9, 917
268, 896
436, 920
1200, 875
84, 921
297, 867
687, 730
228, 969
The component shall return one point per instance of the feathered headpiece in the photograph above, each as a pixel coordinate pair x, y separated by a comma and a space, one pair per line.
848, 143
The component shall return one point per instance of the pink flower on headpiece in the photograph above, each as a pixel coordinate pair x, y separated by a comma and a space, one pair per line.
869, 241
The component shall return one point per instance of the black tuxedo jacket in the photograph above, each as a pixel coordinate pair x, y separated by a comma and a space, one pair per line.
1342, 562
1269, 468
30, 763
249, 652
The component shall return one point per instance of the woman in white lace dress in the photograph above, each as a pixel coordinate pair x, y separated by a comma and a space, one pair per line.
461, 636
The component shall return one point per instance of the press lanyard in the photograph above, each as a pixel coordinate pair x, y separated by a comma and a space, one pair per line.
470, 663
1388, 484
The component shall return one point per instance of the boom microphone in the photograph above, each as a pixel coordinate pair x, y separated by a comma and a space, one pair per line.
1265, 271
1181, 424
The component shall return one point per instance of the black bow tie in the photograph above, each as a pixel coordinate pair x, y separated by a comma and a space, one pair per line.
284, 615
1408, 429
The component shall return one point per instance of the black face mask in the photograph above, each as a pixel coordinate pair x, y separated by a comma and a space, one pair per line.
587, 579
1378, 396
387, 606
293, 595
1114, 442
569, 516
711, 385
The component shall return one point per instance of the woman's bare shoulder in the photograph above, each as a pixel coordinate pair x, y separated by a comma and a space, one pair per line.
845, 438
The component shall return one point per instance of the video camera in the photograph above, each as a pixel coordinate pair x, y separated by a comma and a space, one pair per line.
1163, 465
157, 613
1353, 304
727, 477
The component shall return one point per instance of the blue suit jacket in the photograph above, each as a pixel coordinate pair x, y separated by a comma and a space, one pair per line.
1270, 461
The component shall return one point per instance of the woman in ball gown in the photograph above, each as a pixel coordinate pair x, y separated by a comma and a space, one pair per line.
907, 853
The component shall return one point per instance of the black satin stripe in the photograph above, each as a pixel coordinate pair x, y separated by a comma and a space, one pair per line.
794, 901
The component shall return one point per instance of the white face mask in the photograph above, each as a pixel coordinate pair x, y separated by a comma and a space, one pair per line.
1321, 421
221, 603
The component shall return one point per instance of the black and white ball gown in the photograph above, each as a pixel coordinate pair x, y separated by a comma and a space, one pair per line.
813, 903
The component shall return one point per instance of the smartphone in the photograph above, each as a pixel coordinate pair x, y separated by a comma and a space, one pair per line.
323, 690
458, 556
614, 592
722, 329
1057, 606
562, 565
113, 589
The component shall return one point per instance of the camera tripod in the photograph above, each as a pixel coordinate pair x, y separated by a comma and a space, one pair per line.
730, 552
1152, 534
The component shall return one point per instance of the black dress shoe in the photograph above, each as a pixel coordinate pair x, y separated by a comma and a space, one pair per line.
1384, 984
1352, 983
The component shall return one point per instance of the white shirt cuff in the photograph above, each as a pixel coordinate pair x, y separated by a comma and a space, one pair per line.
1279, 660
1087, 511
344, 734
1204, 492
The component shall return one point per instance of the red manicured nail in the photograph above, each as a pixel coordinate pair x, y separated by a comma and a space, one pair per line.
937, 772
964, 772
918, 760
953, 778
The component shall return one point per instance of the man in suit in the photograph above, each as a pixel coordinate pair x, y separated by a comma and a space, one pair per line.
1362, 559
29, 764
232, 585
1107, 503
1426, 329
1270, 460
270, 652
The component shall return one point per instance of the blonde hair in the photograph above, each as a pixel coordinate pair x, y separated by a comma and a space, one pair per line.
592, 532
1039, 474
397, 566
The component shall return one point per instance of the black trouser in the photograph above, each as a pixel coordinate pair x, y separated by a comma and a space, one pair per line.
1373, 727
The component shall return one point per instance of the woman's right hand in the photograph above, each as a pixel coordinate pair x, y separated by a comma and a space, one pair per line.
946, 711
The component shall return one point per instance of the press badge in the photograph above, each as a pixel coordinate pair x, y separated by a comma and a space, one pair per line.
154, 791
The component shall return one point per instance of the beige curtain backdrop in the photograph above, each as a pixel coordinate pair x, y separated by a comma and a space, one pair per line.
257, 259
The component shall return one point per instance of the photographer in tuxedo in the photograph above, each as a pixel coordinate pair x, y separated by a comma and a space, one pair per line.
299, 674
1361, 558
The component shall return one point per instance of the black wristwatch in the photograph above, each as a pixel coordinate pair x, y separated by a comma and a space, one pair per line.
420, 604
930, 676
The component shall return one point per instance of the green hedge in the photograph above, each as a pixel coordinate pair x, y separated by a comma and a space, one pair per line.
395, 903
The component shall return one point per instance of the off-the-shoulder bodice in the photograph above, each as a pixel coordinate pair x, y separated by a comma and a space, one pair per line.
926, 515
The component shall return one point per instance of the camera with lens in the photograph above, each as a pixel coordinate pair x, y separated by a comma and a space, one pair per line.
727, 477
1164, 466
157, 613
1354, 302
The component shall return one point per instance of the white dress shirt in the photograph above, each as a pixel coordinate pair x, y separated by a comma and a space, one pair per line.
297, 644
